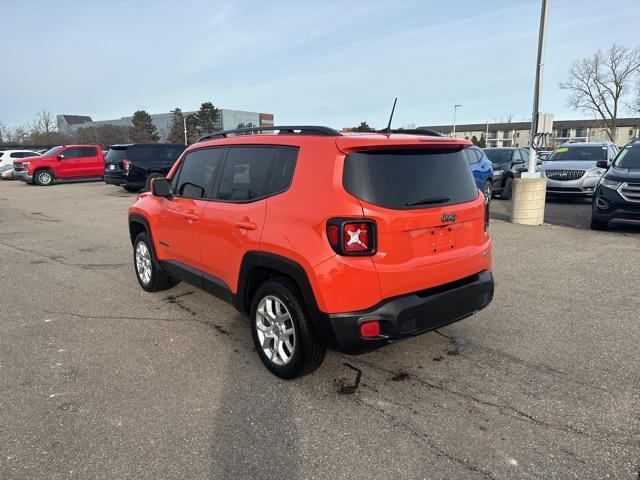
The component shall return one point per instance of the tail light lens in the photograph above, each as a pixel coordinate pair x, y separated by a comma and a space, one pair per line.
352, 237
125, 165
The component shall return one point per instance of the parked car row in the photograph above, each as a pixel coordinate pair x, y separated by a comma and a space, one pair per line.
132, 166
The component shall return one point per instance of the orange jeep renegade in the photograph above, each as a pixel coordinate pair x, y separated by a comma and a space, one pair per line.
326, 240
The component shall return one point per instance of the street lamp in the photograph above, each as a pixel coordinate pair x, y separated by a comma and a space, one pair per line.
455, 108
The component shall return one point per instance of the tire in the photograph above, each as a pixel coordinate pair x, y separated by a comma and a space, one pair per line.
148, 272
131, 189
487, 189
598, 224
147, 183
43, 177
507, 189
282, 295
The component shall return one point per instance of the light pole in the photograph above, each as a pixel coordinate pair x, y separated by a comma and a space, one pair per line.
527, 205
184, 121
535, 116
455, 108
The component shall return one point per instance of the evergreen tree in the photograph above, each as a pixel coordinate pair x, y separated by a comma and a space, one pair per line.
208, 118
474, 140
176, 134
482, 143
143, 128
363, 127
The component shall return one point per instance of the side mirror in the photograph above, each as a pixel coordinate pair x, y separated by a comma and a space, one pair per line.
60, 157
602, 164
160, 187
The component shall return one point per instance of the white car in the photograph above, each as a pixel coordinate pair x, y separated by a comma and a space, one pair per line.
8, 156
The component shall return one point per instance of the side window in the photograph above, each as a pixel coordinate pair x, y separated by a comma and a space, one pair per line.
525, 154
244, 177
70, 153
284, 163
16, 155
87, 152
516, 155
197, 172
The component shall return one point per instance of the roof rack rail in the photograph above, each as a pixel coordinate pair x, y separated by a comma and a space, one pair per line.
282, 130
412, 131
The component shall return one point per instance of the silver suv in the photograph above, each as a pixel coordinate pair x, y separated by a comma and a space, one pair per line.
571, 169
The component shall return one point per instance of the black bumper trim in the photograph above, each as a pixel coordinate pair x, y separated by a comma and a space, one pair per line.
411, 314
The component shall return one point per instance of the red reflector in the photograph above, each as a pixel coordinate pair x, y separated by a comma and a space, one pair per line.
356, 237
332, 234
370, 329
126, 164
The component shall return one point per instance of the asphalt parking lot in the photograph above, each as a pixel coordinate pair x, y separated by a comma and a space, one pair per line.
99, 379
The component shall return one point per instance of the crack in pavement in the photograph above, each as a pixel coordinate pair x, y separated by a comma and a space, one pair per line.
506, 410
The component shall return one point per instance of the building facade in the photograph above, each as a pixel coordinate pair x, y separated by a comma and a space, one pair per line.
517, 134
229, 119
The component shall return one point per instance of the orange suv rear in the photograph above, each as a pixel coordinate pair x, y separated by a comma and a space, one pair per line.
325, 240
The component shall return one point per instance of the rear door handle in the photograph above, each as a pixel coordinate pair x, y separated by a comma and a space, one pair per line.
246, 225
191, 217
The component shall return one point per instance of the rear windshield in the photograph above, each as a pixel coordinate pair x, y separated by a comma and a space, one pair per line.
145, 153
591, 153
499, 156
406, 179
629, 157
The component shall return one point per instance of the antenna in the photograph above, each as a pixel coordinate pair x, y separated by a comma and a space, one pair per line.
391, 116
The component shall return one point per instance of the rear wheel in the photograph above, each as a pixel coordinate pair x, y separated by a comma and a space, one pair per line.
507, 189
43, 177
598, 224
282, 332
148, 273
487, 190
147, 183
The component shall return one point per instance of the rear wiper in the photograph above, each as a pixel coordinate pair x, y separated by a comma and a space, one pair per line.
429, 200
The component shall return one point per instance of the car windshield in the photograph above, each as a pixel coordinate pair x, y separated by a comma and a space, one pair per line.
52, 152
499, 156
629, 158
576, 153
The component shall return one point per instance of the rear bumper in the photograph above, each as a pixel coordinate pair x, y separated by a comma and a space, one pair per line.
23, 175
408, 315
121, 179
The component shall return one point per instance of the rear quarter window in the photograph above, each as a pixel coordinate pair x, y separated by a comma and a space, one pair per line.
396, 179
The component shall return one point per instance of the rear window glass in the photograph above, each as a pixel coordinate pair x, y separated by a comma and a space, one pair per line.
629, 157
499, 156
405, 179
244, 177
591, 153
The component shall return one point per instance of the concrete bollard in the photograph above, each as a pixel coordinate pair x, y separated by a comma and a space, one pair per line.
527, 201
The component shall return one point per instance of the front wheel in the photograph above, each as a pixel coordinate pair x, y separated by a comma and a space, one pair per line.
282, 332
148, 273
487, 189
43, 177
598, 224
507, 189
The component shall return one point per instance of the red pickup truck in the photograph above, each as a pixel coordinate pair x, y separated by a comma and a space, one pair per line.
63, 162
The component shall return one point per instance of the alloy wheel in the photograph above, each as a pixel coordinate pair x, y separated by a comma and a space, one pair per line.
143, 263
276, 331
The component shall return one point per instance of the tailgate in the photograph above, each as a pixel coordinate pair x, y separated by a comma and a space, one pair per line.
430, 216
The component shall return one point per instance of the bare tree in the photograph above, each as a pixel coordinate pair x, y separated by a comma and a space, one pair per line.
45, 122
509, 118
597, 84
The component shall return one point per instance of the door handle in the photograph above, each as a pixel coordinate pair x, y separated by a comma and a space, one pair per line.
246, 225
191, 217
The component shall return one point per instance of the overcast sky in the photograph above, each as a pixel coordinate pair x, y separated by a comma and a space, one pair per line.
334, 63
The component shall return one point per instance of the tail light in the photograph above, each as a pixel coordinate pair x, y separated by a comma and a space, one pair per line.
126, 164
352, 237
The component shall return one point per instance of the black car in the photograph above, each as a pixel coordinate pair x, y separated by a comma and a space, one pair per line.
134, 165
508, 163
617, 196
